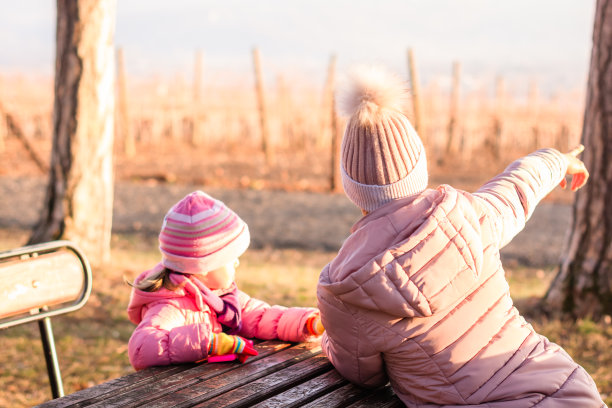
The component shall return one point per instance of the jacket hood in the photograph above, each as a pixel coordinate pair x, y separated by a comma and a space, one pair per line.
188, 287
409, 258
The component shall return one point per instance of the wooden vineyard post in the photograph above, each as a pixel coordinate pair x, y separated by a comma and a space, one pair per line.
261, 104
451, 141
563, 138
416, 95
495, 138
197, 138
532, 104
169, 131
335, 184
322, 136
3, 131
123, 125
283, 107
3, 128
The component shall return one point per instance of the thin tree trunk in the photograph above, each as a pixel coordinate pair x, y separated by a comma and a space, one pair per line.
197, 138
284, 108
451, 141
495, 139
263, 112
323, 137
129, 146
416, 96
3, 131
532, 105
79, 197
330, 89
583, 285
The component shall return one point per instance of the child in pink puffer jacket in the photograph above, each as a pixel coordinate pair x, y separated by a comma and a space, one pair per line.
417, 296
188, 307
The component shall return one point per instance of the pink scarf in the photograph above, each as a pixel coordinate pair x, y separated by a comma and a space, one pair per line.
226, 306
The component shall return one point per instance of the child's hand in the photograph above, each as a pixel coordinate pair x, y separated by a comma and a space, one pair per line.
575, 168
223, 344
313, 326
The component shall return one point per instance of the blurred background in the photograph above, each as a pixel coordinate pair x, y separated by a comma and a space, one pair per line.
237, 98
489, 81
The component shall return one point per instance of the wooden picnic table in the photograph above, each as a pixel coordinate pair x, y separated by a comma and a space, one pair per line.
282, 375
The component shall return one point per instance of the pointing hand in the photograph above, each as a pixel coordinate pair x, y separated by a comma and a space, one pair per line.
576, 169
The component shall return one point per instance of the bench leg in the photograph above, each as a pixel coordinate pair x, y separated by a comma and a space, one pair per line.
55, 378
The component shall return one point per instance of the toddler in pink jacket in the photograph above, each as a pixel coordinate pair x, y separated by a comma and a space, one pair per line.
188, 307
417, 296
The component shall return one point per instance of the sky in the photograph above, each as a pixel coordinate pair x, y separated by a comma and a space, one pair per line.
547, 41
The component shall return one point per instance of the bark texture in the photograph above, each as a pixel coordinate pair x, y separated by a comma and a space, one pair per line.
583, 285
79, 197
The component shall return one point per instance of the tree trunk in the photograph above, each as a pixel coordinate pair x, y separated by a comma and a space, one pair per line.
583, 285
79, 197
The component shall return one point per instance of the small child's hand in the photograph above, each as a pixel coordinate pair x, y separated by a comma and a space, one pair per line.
223, 344
576, 169
313, 326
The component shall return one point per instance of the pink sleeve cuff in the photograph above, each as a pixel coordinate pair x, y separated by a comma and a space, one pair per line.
292, 323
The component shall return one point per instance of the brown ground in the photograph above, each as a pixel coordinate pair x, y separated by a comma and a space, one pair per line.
286, 205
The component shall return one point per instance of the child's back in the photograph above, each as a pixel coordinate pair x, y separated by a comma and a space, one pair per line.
417, 294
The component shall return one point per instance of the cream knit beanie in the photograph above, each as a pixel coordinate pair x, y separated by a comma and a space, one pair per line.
382, 157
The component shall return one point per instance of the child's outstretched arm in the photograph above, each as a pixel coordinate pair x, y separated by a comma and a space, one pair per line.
266, 322
510, 198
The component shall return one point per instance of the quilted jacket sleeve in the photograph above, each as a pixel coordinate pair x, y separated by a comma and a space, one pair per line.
266, 322
509, 199
163, 338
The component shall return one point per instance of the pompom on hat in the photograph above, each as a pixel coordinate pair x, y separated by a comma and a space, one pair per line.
382, 156
200, 234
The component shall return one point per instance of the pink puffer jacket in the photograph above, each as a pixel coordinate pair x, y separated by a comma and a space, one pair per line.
175, 326
417, 296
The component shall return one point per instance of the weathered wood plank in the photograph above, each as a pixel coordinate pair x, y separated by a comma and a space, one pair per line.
305, 392
118, 385
133, 380
141, 379
382, 398
340, 397
145, 393
241, 375
272, 384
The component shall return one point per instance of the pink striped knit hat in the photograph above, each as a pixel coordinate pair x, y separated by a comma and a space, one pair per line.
382, 156
201, 234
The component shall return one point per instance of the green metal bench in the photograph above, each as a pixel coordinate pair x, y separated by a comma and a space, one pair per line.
38, 282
